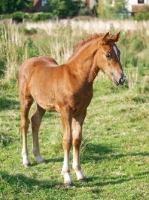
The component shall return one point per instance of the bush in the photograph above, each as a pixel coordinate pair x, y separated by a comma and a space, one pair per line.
27, 16
31, 31
141, 16
17, 17
41, 16
85, 12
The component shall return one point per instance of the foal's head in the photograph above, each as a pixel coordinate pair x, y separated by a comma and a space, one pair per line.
107, 58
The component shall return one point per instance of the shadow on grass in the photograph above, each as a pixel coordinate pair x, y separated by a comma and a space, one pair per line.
34, 184
51, 160
6, 103
6, 139
100, 152
118, 179
95, 152
21, 181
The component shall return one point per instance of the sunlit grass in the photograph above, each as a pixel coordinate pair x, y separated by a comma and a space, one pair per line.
114, 151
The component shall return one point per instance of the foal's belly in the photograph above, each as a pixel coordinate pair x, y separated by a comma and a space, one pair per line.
47, 102
52, 101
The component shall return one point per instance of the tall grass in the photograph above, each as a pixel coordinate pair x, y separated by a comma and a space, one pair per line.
91, 25
114, 152
12, 51
7, 47
58, 39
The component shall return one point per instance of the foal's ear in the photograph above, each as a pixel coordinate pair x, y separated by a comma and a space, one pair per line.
105, 38
110, 38
115, 37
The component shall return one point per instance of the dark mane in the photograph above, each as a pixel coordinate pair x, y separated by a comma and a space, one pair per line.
84, 41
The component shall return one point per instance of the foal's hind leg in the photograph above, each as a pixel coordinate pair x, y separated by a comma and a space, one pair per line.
77, 137
66, 116
25, 107
36, 121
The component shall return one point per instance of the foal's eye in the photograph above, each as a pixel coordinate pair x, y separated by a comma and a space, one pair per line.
108, 55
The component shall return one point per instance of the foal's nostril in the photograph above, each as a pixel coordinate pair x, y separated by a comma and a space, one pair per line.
122, 80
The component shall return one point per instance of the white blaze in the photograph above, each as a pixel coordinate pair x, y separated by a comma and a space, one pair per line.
116, 52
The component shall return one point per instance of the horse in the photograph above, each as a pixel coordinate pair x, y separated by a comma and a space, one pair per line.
67, 89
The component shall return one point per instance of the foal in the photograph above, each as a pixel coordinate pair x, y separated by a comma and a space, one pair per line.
68, 89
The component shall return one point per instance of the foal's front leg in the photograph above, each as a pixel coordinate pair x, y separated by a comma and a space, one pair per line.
77, 137
66, 116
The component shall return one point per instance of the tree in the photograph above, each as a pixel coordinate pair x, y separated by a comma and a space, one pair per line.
10, 6
119, 5
64, 8
29, 3
110, 8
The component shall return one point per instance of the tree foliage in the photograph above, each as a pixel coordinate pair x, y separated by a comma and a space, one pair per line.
140, 16
64, 8
110, 9
29, 3
10, 6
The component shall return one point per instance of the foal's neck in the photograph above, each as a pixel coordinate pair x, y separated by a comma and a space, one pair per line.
83, 64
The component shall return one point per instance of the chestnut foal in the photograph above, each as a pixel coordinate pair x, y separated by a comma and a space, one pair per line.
68, 89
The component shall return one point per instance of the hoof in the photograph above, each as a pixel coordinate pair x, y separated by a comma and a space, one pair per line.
27, 165
39, 159
68, 185
83, 180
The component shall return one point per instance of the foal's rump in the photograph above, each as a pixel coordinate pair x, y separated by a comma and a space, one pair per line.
37, 80
37, 62
35, 65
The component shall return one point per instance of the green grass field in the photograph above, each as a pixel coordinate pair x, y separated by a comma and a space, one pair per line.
114, 152
115, 147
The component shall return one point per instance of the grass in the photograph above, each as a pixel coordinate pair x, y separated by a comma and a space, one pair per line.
115, 150
92, 25
114, 153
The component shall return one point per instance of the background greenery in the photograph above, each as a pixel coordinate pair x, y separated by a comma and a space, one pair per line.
16, 9
10, 6
106, 11
115, 150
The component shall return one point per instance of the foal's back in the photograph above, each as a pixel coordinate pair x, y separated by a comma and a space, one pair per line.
35, 64
35, 75
51, 85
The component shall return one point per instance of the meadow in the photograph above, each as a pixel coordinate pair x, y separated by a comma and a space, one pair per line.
114, 151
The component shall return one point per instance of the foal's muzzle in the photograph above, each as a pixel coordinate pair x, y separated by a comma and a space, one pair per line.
118, 81
122, 80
